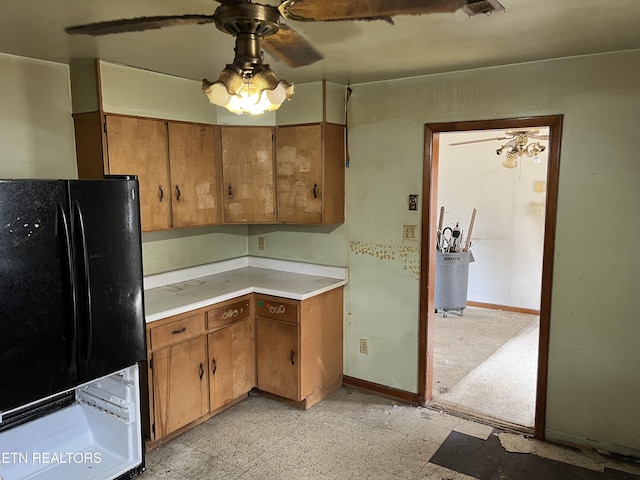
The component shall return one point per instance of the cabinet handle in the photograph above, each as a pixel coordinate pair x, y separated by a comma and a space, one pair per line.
177, 193
315, 194
230, 314
179, 331
214, 366
230, 190
291, 357
160, 193
278, 309
201, 371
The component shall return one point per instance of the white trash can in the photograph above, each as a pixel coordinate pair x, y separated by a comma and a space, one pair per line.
452, 281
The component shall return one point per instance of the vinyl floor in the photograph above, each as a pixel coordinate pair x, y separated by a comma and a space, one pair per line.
357, 435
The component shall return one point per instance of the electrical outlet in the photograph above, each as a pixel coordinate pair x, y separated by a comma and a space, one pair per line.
537, 209
261, 243
410, 232
364, 346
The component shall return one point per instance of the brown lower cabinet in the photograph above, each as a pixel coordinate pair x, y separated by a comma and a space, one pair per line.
199, 362
278, 358
180, 387
202, 362
299, 346
232, 364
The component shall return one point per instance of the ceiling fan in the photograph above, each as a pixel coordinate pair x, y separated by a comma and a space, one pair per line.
255, 25
517, 146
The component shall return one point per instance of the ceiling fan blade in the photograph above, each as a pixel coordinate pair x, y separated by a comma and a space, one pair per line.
332, 10
479, 141
138, 24
290, 47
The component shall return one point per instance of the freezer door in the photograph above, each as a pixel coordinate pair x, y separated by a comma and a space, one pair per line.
37, 357
106, 232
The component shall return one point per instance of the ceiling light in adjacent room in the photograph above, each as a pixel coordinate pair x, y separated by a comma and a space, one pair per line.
518, 147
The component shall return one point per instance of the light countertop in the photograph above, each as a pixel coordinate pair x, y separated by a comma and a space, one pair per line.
178, 292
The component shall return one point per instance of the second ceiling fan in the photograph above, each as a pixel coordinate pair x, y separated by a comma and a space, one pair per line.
518, 144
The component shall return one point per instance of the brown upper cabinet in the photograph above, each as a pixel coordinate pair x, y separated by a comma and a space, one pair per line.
194, 174
175, 164
310, 174
248, 174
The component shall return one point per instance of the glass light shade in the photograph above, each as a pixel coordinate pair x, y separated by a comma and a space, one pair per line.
255, 93
218, 94
510, 162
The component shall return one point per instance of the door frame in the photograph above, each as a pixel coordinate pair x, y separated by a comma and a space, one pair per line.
428, 248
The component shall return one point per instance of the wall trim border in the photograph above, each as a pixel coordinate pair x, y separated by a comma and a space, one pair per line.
506, 308
385, 391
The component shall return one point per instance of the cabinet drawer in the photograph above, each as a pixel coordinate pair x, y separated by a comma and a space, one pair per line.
226, 314
176, 331
277, 308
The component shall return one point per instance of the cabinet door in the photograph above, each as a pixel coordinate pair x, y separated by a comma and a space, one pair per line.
180, 385
248, 174
194, 176
231, 363
299, 174
139, 147
278, 358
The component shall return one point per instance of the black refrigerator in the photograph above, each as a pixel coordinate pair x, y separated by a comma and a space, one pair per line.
71, 306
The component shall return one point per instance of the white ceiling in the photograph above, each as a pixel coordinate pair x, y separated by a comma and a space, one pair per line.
354, 52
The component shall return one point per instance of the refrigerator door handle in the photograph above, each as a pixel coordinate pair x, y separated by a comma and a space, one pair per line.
85, 263
72, 285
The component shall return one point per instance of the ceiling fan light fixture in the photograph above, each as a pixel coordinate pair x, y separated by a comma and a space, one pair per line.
252, 91
247, 85
519, 147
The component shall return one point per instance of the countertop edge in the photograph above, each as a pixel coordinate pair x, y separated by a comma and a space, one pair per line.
239, 293
296, 296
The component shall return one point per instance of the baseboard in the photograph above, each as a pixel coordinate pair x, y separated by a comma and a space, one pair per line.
506, 308
385, 391
576, 441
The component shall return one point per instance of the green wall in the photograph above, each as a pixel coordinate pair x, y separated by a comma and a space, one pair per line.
36, 130
594, 379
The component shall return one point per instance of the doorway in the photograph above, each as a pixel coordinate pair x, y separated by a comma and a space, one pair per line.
430, 214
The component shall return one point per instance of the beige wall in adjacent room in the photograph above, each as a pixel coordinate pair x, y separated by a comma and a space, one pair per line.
36, 130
